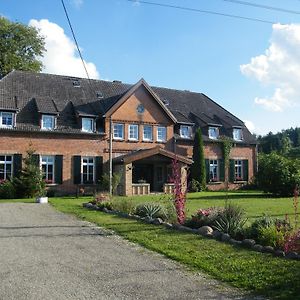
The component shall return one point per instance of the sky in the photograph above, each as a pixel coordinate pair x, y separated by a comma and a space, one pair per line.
251, 68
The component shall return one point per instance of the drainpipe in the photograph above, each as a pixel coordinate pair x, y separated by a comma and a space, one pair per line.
110, 156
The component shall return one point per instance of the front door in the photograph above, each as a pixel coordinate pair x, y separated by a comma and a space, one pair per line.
159, 178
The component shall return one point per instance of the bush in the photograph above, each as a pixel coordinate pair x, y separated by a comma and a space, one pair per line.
123, 205
7, 190
292, 242
271, 236
204, 217
278, 175
260, 223
231, 220
116, 179
195, 186
151, 210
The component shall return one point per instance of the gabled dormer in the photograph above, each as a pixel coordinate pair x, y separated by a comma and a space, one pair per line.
47, 112
237, 133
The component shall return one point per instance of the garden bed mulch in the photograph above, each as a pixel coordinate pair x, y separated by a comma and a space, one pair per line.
204, 231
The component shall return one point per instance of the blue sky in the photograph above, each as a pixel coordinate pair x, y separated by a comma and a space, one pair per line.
250, 68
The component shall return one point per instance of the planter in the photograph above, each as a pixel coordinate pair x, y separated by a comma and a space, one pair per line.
42, 200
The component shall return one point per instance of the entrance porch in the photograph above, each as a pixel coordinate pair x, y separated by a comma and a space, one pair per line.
149, 171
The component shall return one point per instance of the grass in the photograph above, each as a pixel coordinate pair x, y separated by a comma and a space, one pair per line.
259, 273
255, 203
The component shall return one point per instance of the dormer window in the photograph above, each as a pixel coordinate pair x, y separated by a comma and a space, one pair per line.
213, 133
6, 119
76, 83
48, 122
237, 134
185, 131
88, 124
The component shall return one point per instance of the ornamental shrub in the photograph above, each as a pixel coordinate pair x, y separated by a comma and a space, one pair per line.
151, 210
292, 242
231, 220
7, 190
278, 175
123, 205
271, 236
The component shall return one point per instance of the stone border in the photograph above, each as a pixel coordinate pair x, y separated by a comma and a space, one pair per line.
203, 231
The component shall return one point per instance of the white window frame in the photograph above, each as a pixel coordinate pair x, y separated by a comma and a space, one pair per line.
53, 122
161, 136
133, 128
91, 122
1, 119
47, 160
145, 138
188, 133
238, 169
214, 166
116, 132
88, 164
237, 134
213, 132
6, 162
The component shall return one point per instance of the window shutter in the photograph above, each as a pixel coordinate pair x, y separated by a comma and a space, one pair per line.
98, 169
231, 170
58, 169
17, 164
36, 159
245, 169
221, 169
77, 169
207, 169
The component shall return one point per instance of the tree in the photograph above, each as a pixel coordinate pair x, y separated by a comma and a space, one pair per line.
31, 182
198, 171
20, 47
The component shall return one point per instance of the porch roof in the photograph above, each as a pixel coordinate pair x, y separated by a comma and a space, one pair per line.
144, 153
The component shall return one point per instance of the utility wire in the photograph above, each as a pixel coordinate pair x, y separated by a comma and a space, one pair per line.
202, 11
75, 40
264, 6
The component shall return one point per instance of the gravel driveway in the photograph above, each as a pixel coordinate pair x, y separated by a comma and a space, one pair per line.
45, 254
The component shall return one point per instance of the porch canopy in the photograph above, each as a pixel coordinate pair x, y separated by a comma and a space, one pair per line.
148, 170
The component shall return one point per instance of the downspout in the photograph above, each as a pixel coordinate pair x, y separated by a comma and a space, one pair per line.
110, 156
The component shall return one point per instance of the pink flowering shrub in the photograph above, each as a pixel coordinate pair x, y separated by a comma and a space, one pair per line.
292, 242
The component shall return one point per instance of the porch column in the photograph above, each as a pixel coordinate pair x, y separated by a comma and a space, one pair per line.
184, 173
125, 186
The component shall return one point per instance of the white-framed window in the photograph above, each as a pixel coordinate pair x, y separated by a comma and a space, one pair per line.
213, 132
118, 131
47, 166
237, 134
88, 170
87, 124
147, 133
6, 119
161, 133
238, 169
6, 167
213, 170
185, 131
133, 132
48, 122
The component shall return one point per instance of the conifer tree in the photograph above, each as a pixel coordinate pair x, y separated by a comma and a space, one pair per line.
198, 171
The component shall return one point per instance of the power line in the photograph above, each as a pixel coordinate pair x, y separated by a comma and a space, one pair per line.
75, 40
202, 11
264, 6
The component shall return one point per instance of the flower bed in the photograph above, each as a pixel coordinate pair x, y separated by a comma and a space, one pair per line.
204, 230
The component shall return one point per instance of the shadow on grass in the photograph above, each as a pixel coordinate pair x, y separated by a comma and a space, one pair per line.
233, 196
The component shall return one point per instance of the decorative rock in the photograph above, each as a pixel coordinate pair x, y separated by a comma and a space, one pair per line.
104, 209
217, 235
157, 221
168, 225
205, 231
292, 255
248, 243
225, 237
257, 247
268, 249
279, 253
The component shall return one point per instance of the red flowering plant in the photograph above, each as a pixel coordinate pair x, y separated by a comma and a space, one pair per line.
203, 217
292, 242
2, 181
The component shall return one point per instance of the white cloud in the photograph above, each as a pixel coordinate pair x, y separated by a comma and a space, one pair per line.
61, 55
249, 125
279, 68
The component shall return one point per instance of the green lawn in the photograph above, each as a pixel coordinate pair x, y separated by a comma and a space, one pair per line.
260, 273
255, 203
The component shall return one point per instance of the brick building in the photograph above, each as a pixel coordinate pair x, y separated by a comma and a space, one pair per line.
68, 122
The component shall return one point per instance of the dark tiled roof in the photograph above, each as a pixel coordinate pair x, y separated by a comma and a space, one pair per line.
33, 93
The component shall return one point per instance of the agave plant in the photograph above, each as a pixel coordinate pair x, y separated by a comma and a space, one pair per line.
150, 210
